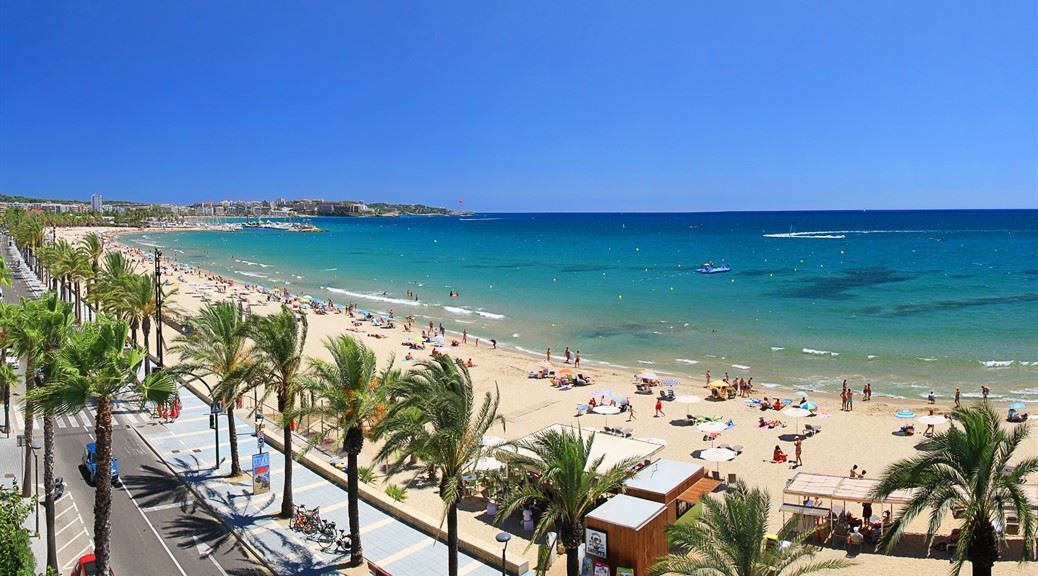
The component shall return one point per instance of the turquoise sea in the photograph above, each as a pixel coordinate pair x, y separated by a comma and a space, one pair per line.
911, 301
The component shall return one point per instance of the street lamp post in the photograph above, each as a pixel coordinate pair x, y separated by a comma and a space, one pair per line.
158, 306
503, 537
37, 445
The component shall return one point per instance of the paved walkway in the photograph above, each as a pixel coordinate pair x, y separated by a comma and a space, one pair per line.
188, 446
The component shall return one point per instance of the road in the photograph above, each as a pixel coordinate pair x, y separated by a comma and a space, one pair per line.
158, 528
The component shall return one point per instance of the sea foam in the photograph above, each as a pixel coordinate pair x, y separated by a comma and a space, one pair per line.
375, 297
686, 361
996, 363
819, 352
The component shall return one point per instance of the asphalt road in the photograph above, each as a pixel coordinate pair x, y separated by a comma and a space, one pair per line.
158, 528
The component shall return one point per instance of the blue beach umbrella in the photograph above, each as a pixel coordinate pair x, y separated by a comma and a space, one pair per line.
1018, 406
809, 406
904, 414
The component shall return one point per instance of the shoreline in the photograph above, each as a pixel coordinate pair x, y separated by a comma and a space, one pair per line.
590, 364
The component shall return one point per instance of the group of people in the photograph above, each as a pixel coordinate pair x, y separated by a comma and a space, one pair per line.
778, 456
170, 410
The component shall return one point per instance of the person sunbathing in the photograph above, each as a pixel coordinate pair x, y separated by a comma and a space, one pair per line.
778, 455
777, 405
762, 423
1015, 416
470, 364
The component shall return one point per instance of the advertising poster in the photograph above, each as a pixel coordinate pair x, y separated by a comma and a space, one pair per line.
261, 473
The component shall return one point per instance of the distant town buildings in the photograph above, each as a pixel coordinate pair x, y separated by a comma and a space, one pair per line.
95, 203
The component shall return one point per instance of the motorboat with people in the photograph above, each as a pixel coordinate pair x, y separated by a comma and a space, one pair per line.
711, 268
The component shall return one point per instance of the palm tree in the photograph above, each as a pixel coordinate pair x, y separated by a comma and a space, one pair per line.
965, 469
217, 346
136, 304
5, 273
78, 271
114, 269
442, 390
94, 367
279, 340
571, 483
94, 247
24, 340
347, 391
728, 539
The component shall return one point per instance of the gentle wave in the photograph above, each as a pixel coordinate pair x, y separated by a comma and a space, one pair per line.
251, 274
819, 352
649, 362
477, 219
926, 359
871, 357
996, 363
150, 244
686, 361
741, 366
491, 315
777, 348
456, 310
375, 297
248, 263
837, 234
328, 269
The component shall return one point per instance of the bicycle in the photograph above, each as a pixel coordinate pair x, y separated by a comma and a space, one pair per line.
323, 532
304, 520
340, 544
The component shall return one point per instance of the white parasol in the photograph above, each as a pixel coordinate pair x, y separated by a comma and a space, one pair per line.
489, 441
711, 427
796, 413
648, 375
932, 419
487, 464
716, 455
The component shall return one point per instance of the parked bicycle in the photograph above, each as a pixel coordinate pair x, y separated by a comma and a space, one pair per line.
341, 544
323, 532
305, 520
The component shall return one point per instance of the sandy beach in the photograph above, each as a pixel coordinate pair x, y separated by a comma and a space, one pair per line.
863, 437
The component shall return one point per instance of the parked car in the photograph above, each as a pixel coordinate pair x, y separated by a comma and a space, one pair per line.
87, 566
90, 465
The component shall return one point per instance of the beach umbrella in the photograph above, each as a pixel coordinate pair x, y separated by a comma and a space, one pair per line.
904, 414
800, 393
932, 419
797, 414
648, 375
1018, 406
487, 464
606, 411
670, 382
490, 441
809, 406
439, 341
712, 428
716, 455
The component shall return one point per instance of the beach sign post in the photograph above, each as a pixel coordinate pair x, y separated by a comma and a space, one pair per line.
261, 473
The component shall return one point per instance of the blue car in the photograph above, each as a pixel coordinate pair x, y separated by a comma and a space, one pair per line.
90, 465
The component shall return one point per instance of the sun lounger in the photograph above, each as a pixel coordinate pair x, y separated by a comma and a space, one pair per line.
582, 409
811, 430
627, 432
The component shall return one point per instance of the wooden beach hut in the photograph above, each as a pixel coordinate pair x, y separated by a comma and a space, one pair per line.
675, 484
626, 532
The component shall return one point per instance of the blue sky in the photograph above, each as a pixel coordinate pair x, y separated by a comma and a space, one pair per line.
603, 106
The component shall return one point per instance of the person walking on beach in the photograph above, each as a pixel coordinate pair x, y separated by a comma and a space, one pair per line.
568, 354
958, 404
659, 409
843, 400
630, 412
548, 355
493, 343
465, 335
850, 400
707, 377
576, 360
984, 391
866, 392
797, 462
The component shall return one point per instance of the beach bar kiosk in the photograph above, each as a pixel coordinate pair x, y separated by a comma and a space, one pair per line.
625, 535
675, 484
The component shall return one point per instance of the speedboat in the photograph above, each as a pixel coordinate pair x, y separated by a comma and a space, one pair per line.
711, 268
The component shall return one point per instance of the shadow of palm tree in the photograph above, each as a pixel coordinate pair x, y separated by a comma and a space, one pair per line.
154, 486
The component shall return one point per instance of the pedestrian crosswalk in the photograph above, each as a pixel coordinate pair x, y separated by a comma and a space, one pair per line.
84, 419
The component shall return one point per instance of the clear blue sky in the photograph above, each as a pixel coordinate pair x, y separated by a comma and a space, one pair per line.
669, 106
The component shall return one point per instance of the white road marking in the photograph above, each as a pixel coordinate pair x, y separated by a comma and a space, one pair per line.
58, 533
71, 540
159, 507
61, 422
424, 543
87, 548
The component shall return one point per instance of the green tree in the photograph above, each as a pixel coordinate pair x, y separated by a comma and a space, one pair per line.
570, 484
347, 392
728, 539
965, 469
15, 553
441, 389
279, 340
218, 347
93, 367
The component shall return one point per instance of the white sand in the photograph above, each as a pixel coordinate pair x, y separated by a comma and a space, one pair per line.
863, 437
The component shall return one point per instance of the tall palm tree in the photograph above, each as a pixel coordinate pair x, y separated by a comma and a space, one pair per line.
571, 483
78, 271
279, 340
135, 303
218, 347
21, 337
965, 469
5, 273
347, 390
114, 269
94, 247
728, 539
442, 390
94, 367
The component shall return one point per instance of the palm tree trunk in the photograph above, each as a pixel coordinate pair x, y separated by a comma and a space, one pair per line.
983, 548
48, 487
103, 490
352, 480
79, 305
571, 536
287, 505
452, 539
232, 433
27, 478
572, 562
